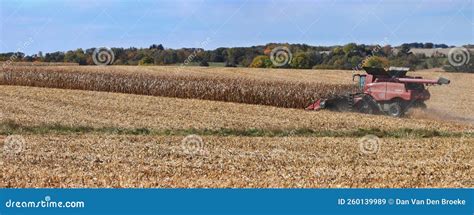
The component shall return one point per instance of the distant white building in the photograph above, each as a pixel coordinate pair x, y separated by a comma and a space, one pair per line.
324, 52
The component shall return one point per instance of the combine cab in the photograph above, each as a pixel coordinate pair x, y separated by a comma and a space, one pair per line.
381, 91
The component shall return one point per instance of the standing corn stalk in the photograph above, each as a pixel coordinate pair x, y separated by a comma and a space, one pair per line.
288, 94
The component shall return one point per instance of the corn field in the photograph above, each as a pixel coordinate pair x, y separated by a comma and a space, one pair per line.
281, 93
236, 151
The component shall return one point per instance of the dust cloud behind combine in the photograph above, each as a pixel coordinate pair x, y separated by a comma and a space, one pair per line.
439, 115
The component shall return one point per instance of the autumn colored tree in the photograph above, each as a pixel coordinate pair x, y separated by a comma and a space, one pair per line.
261, 61
376, 61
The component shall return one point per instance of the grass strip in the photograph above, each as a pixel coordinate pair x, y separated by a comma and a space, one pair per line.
11, 127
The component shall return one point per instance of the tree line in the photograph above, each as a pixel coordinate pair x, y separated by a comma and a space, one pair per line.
303, 56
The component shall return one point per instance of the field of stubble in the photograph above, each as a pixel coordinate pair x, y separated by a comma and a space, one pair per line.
163, 161
73, 138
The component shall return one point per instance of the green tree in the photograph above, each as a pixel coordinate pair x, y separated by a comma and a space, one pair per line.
231, 57
338, 51
349, 48
314, 58
376, 61
77, 56
261, 61
428, 45
300, 61
146, 61
355, 61
40, 56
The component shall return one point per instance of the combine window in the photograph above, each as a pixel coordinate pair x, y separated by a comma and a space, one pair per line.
361, 82
415, 86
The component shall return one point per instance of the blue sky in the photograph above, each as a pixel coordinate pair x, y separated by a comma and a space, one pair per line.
34, 25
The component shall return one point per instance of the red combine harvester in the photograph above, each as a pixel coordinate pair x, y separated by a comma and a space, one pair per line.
381, 91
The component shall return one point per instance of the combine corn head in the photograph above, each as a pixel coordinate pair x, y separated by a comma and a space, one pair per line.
381, 91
